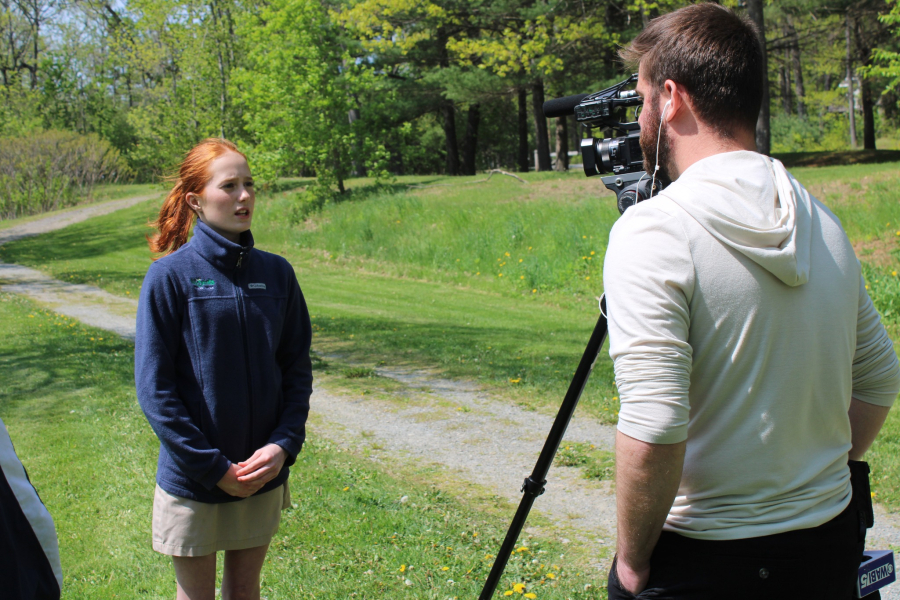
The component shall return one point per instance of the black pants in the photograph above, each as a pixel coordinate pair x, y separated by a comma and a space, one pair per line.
815, 564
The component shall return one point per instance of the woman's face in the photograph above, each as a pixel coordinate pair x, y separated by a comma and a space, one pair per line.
226, 203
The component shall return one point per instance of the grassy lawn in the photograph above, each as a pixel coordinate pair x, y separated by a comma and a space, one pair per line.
493, 281
356, 529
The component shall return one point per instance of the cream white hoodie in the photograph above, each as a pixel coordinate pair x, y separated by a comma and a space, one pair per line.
738, 321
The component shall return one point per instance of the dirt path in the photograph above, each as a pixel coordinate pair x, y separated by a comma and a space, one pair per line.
64, 219
447, 424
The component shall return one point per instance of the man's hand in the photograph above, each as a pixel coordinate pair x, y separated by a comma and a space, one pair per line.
263, 466
233, 487
633, 581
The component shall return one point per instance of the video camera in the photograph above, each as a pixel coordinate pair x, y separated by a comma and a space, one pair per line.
622, 155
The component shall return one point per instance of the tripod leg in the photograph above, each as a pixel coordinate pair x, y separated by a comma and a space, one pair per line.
534, 484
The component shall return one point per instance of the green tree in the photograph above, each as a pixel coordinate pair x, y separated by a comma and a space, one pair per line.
296, 91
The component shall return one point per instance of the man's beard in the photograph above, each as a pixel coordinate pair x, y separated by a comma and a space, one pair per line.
649, 137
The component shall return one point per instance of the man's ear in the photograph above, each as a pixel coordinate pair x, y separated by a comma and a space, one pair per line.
678, 100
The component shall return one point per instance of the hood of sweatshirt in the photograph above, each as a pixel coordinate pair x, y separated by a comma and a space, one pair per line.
751, 203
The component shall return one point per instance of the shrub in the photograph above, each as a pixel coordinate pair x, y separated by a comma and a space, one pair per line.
53, 169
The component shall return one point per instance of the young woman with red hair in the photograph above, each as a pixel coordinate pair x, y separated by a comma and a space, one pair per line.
223, 374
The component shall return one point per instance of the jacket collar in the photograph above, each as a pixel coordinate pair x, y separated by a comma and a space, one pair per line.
218, 251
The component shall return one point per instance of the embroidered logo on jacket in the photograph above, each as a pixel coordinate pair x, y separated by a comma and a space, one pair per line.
200, 283
256, 286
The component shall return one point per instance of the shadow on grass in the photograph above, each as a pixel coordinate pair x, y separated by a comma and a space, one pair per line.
62, 364
831, 159
502, 356
88, 239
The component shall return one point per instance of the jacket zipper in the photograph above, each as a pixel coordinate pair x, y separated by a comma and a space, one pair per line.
240, 300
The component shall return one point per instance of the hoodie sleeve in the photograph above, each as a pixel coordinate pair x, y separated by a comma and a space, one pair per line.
296, 373
876, 372
156, 345
648, 278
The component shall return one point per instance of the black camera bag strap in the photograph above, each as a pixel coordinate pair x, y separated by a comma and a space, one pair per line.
862, 495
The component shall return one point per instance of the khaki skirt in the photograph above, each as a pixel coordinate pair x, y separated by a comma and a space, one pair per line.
183, 527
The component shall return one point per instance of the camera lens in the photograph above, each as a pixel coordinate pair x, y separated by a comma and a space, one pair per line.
610, 151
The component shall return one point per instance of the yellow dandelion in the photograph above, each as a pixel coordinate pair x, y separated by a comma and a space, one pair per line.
506, 254
346, 488
588, 277
402, 568
584, 237
523, 277
522, 549
551, 575
516, 381
499, 274
520, 260
534, 291
529, 247
445, 568
478, 273
592, 252
531, 595
30, 316
519, 588
508, 593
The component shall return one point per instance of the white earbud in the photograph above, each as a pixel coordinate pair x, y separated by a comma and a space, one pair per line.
661, 117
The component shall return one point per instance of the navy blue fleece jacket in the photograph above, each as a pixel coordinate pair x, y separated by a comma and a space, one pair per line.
222, 362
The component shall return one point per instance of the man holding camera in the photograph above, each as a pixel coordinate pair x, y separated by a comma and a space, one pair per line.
750, 361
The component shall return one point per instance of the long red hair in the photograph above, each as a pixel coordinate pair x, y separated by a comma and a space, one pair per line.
176, 217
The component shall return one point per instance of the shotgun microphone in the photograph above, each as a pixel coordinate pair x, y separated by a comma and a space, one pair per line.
560, 107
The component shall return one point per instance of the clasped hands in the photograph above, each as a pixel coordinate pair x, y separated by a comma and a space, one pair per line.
245, 478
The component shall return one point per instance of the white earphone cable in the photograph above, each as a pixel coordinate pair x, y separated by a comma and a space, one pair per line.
658, 133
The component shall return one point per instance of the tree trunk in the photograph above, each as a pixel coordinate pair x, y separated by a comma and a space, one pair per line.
562, 145
786, 104
864, 43
574, 134
470, 143
851, 105
451, 147
540, 126
868, 110
358, 168
763, 131
522, 153
890, 108
796, 67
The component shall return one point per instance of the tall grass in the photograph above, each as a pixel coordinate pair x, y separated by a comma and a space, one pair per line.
547, 236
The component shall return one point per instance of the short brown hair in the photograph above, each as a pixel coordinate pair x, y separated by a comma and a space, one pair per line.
714, 53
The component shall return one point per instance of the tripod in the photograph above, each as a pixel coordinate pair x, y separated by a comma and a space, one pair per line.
534, 484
